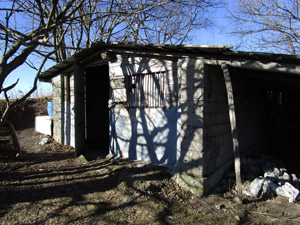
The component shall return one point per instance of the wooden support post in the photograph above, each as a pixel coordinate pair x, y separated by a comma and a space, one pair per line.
67, 111
62, 106
79, 108
234, 131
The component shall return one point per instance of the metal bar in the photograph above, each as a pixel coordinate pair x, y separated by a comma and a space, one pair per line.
132, 100
166, 88
140, 102
146, 89
143, 86
129, 90
150, 84
135, 91
154, 90
160, 89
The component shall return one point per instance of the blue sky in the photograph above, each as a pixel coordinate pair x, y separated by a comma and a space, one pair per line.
216, 35
26, 75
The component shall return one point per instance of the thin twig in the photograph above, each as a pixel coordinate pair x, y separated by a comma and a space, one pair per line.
277, 217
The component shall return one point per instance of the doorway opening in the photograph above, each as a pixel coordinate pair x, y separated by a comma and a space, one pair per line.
275, 98
97, 112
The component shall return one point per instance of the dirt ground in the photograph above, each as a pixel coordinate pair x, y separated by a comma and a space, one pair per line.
48, 185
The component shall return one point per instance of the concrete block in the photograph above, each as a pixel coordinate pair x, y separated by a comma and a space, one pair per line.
195, 94
225, 153
192, 133
287, 191
43, 124
117, 83
254, 189
285, 177
120, 95
217, 107
192, 150
272, 174
192, 107
191, 180
187, 149
213, 118
192, 120
197, 155
192, 82
218, 130
224, 138
212, 178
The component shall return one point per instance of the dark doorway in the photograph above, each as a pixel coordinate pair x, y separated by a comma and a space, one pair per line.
97, 114
284, 117
275, 110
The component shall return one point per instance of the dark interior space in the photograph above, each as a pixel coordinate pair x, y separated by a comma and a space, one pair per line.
97, 114
280, 94
284, 116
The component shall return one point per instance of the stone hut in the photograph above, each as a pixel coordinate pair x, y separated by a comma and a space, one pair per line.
180, 106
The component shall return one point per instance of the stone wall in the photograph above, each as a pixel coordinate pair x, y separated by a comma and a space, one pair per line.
63, 109
206, 148
57, 90
191, 96
250, 109
217, 132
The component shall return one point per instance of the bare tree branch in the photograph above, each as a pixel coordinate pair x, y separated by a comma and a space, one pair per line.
36, 27
272, 25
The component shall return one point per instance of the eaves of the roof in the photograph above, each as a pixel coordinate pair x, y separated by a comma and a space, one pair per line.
126, 47
212, 51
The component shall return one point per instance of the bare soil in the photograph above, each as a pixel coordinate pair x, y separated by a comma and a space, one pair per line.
48, 185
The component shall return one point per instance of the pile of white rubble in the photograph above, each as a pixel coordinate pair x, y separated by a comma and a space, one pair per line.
275, 181
264, 177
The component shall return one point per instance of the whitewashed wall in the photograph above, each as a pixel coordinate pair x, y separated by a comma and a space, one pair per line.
148, 134
151, 135
72, 114
131, 65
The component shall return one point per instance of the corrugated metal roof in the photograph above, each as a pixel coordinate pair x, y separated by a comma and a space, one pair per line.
213, 51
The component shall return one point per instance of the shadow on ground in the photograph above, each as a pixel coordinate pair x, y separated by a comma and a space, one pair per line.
49, 187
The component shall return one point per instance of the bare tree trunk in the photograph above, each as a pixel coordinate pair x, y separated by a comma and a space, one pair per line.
14, 137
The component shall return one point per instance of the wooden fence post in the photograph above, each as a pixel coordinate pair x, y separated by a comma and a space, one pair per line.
234, 131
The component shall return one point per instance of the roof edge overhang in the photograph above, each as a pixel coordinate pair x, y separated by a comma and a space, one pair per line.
270, 66
212, 55
85, 56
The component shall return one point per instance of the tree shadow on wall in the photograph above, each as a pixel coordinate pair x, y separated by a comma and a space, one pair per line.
182, 144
